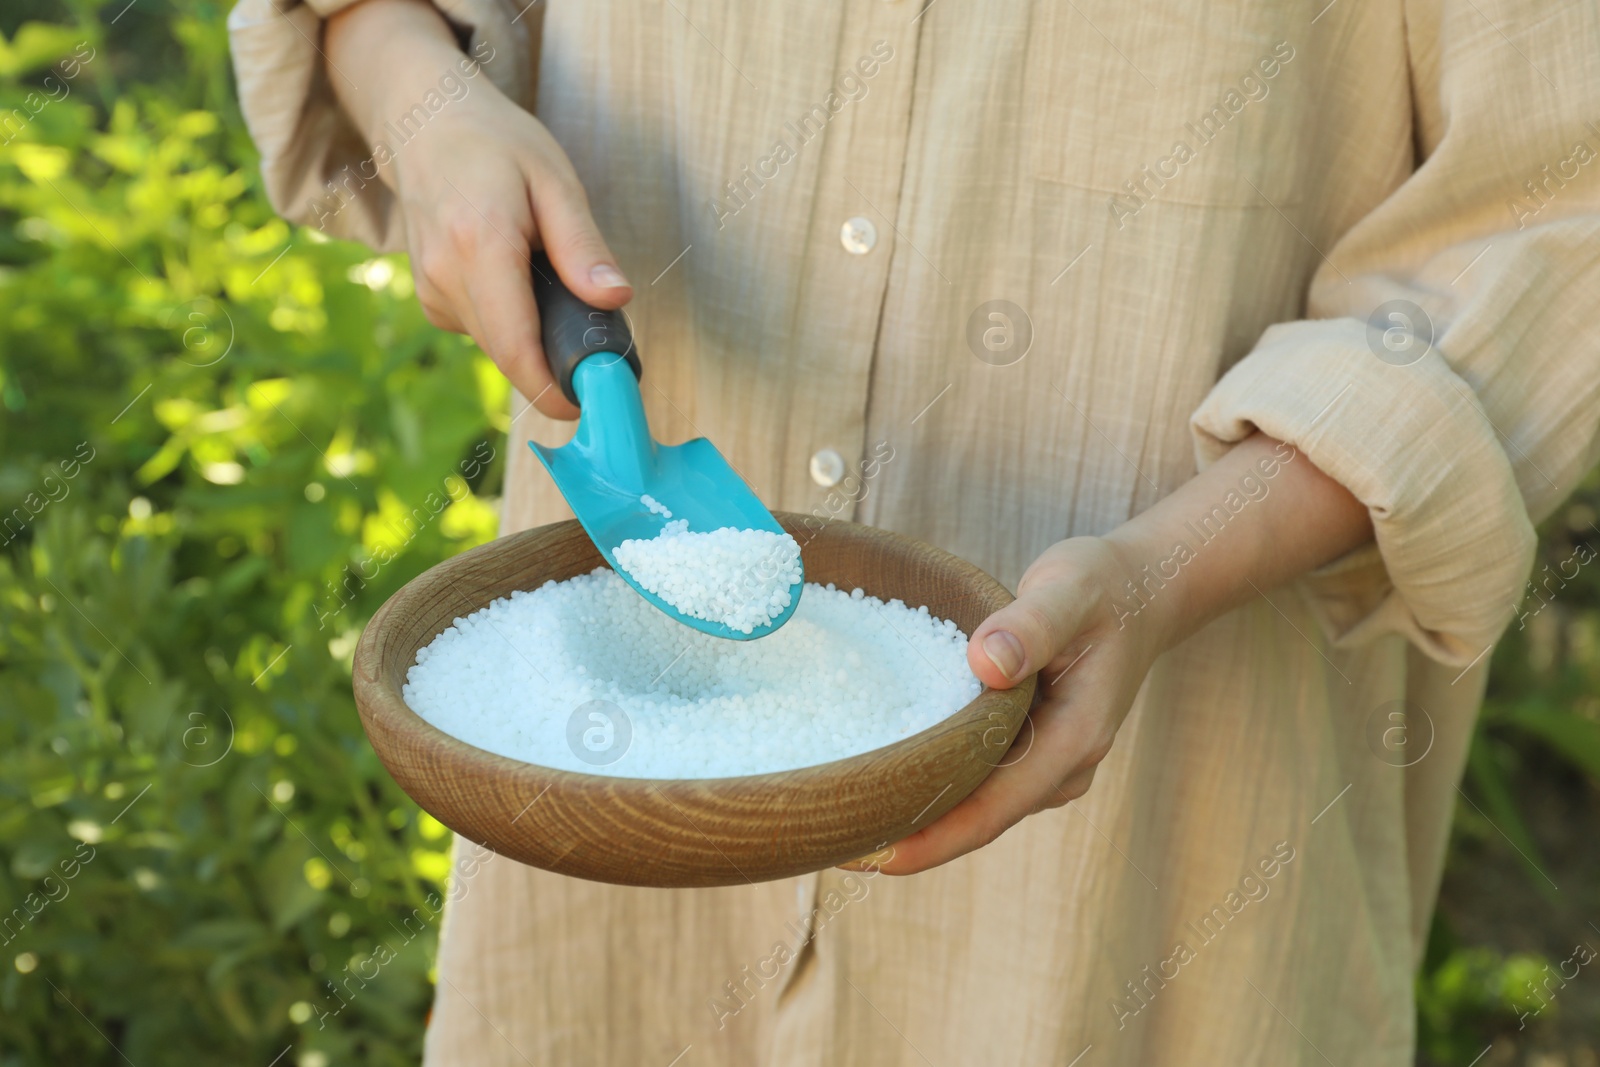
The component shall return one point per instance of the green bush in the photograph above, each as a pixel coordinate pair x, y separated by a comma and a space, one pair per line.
224, 443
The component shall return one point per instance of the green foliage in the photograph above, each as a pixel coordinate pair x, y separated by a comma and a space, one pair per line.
224, 442
1466, 994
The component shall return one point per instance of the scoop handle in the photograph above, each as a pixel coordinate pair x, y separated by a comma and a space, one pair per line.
572, 331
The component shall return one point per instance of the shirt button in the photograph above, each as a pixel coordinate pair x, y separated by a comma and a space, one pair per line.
827, 468
858, 235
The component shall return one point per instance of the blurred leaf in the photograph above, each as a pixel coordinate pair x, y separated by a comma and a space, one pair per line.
1500, 807
35, 45
1574, 739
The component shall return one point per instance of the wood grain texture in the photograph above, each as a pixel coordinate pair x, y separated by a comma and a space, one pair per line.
683, 832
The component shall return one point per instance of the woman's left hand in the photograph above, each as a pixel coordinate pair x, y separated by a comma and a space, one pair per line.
1091, 657
1093, 613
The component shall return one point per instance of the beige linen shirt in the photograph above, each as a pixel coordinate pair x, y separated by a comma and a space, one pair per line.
1191, 211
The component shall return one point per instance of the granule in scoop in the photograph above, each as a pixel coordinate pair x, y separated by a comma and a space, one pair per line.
656, 506
585, 675
741, 579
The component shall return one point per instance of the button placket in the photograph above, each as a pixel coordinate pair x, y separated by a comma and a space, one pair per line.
858, 188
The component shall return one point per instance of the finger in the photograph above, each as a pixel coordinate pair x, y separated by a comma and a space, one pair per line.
573, 241
506, 325
1031, 631
1069, 742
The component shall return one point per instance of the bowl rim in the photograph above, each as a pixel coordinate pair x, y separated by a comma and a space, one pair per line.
385, 707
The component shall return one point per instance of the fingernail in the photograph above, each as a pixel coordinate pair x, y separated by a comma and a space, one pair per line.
607, 277
1005, 652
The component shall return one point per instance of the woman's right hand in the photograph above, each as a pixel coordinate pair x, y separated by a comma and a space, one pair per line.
479, 187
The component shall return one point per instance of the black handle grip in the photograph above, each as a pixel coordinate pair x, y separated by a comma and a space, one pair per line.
572, 330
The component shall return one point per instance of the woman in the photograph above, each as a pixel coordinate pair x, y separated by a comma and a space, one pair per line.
1247, 341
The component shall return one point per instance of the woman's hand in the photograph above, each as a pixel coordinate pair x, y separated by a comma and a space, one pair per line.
1091, 659
1078, 622
491, 185
479, 186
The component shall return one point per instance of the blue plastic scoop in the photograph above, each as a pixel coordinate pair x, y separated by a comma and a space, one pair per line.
612, 462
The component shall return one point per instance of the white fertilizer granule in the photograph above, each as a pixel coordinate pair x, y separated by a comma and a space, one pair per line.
585, 675
739, 578
656, 506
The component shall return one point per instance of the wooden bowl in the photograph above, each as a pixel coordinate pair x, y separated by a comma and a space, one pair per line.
683, 832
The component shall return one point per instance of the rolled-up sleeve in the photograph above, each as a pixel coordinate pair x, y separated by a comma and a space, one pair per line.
309, 145
1461, 427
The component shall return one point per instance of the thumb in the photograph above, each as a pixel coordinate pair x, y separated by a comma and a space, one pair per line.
1026, 634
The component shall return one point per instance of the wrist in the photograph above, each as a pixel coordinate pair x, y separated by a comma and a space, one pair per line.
380, 86
1150, 588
